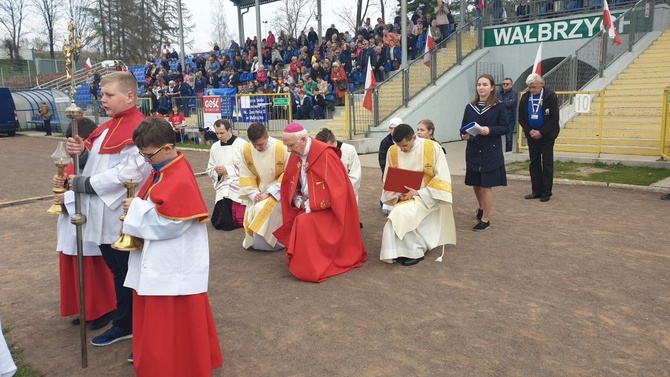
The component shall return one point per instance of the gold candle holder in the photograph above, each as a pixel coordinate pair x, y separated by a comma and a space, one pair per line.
60, 159
127, 242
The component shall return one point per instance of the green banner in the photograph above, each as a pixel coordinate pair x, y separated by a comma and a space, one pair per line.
551, 30
280, 101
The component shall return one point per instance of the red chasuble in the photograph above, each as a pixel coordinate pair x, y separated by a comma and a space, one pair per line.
176, 193
327, 241
120, 132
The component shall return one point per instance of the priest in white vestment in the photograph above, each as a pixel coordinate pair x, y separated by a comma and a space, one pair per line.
349, 157
223, 168
420, 219
261, 171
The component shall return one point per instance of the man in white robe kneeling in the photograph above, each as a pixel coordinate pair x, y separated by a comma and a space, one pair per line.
420, 220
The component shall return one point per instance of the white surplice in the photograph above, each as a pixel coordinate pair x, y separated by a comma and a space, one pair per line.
7, 366
230, 156
175, 258
353, 165
426, 221
103, 209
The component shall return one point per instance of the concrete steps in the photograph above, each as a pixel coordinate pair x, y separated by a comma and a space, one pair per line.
632, 111
636, 151
612, 142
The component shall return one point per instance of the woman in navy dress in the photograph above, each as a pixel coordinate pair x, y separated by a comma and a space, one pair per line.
484, 152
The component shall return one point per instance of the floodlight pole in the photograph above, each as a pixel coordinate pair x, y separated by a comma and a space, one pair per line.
319, 21
181, 38
259, 37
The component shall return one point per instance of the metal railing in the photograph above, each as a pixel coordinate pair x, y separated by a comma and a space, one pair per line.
405, 84
573, 104
665, 125
274, 110
545, 9
590, 61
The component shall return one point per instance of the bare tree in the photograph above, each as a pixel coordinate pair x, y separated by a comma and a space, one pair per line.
82, 12
49, 10
293, 16
219, 25
38, 43
11, 18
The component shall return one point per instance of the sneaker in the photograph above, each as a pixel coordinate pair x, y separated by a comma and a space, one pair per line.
482, 226
480, 213
113, 335
130, 357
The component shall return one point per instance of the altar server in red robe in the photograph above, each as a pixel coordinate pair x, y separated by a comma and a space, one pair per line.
321, 225
173, 328
104, 153
99, 293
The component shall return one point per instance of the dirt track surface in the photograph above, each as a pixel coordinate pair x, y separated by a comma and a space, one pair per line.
578, 286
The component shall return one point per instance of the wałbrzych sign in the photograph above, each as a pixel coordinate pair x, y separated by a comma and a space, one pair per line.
552, 30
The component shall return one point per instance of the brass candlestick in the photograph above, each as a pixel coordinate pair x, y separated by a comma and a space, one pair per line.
60, 159
127, 242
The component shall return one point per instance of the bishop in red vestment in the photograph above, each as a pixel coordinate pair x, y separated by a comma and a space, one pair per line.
321, 228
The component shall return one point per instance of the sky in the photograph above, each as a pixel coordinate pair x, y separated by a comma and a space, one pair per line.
201, 10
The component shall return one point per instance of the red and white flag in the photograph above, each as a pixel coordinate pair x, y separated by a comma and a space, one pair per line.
370, 83
608, 23
430, 45
537, 66
88, 63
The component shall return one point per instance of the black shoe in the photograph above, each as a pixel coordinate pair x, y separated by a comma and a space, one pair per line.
102, 321
75, 321
665, 196
360, 224
411, 262
400, 260
131, 359
533, 196
482, 226
480, 213
545, 198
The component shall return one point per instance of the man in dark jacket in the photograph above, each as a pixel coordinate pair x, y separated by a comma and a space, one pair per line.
538, 116
510, 98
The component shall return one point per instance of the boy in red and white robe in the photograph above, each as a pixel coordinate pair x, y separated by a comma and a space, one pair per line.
173, 328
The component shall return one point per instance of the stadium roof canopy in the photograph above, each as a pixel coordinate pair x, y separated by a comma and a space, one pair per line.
243, 4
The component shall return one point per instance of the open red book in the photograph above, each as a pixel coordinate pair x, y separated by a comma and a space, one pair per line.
397, 179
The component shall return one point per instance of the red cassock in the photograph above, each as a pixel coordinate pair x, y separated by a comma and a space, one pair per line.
99, 295
327, 241
175, 335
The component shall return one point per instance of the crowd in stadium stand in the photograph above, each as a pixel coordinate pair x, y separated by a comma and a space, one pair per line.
321, 73
317, 76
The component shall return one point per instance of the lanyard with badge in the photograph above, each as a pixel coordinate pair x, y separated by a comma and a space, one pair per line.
536, 106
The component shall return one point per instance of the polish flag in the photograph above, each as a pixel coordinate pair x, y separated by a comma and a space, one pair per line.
88, 63
608, 23
370, 83
480, 4
537, 66
430, 45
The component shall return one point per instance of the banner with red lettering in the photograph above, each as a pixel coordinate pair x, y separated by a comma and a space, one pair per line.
211, 108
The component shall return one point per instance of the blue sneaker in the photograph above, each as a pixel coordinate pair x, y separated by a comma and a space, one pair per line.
113, 335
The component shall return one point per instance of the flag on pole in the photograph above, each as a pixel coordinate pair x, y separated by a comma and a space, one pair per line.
608, 23
430, 45
88, 63
480, 4
537, 66
370, 83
